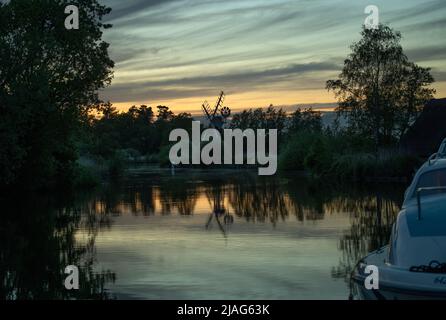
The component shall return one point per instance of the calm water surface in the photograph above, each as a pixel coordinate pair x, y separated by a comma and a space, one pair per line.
195, 235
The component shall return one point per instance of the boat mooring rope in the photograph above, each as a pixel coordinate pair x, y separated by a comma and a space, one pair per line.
433, 267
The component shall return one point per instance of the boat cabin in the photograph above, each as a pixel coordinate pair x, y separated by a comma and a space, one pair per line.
420, 230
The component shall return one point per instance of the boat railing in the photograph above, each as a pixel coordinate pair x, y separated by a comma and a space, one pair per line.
419, 194
441, 154
442, 149
436, 156
432, 158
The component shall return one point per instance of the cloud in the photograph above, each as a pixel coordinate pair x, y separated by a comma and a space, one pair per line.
171, 49
427, 53
424, 26
439, 75
128, 8
417, 11
296, 75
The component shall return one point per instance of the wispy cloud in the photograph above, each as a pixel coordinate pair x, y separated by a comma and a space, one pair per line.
174, 49
234, 82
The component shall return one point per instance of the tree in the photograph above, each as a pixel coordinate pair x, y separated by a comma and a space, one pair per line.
271, 118
134, 130
49, 79
164, 114
380, 91
305, 120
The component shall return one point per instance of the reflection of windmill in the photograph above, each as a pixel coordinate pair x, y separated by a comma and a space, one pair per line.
217, 116
219, 211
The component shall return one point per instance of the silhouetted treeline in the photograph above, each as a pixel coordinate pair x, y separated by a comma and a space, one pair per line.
139, 132
277, 118
142, 135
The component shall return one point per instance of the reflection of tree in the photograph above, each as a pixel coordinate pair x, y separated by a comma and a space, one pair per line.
275, 199
116, 200
140, 198
308, 198
372, 209
372, 216
38, 239
258, 201
179, 195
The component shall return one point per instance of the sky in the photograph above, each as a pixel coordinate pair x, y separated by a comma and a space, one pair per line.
260, 52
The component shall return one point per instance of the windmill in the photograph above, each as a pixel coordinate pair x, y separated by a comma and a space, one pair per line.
217, 116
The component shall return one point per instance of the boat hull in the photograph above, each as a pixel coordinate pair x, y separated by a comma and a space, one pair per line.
396, 283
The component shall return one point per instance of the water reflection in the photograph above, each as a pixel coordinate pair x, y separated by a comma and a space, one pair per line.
372, 217
38, 240
41, 234
216, 195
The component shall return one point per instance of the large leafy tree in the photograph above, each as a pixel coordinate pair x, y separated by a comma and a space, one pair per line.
49, 79
380, 91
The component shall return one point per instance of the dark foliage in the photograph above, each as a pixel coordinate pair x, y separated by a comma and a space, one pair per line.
49, 78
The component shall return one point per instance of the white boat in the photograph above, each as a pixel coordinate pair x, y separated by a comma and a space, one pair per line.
413, 265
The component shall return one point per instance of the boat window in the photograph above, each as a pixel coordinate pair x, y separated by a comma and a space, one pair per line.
435, 178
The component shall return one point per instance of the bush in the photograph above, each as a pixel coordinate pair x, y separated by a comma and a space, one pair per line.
390, 164
116, 164
163, 156
319, 155
153, 158
353, 166
296, 150
396, 164
343, 156
86, 177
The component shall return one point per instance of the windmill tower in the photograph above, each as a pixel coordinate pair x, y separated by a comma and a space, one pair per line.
217, 116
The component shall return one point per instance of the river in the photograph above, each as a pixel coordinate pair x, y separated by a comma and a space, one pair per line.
194, 234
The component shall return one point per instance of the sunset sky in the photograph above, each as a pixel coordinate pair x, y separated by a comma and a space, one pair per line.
181, 52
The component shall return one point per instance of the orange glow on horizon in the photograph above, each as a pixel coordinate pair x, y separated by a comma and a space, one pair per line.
239, 101
258, 99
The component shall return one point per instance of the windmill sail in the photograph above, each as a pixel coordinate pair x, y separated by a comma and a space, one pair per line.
219, 103
216, 120
207, 109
